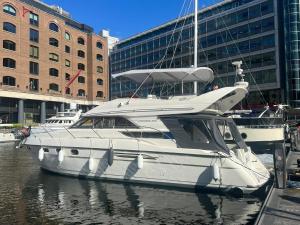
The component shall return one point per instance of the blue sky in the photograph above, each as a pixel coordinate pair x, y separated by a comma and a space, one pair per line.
124, 18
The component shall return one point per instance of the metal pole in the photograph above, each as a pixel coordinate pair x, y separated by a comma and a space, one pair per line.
196, 44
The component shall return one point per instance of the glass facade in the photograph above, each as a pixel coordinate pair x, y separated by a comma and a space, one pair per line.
292, 50
228, 31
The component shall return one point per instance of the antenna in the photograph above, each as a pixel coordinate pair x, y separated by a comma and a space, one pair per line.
238, 69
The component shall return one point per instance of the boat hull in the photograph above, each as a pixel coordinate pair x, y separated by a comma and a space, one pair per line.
167, 169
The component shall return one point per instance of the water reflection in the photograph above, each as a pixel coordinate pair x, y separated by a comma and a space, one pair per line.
51, 199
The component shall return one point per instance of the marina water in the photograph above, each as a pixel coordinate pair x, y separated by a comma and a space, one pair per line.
32, 196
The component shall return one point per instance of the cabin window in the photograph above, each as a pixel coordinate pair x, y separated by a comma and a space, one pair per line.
113, 122
104, 123
196, 133
74, 152
139, 134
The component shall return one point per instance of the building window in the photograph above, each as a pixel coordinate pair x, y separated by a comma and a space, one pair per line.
53, 27
9, 27
99, 69
53, 87
99, 81
99, 45
33, 84
68, 91
99, 57
67, 76
34, 52
34, 68
99, 94
33, 19
9, 10
8, 62
67, 63
81, 66
10, 45
53, 42
67, 49
34, 35
67, 36
80, 41
53, 72
80, 54
81, 92
8, 80
81, 79
53, 57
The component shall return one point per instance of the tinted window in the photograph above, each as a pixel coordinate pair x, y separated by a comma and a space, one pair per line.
9, 27
34, 35
7, 44
8, 62
53, 27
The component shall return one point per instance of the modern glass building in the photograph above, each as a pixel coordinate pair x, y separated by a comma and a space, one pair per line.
264, 34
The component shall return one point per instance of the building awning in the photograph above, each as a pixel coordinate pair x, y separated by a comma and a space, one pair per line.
172, 75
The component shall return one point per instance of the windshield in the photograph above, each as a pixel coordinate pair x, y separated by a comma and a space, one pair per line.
230, 134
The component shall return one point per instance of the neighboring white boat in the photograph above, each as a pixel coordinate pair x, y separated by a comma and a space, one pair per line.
6, 137
181, 141
60, 121
261, 132
63, 119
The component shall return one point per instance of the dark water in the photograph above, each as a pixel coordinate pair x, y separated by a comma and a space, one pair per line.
31, 196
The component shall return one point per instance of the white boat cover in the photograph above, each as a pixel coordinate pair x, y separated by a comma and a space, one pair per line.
200, 74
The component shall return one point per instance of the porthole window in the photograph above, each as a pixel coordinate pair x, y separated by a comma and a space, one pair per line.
74, 152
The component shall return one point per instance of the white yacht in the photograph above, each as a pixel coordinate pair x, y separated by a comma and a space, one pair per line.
7, 137
63, 119
179, 141
263, 131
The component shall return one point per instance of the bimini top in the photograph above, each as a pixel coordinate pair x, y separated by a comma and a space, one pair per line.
201, 74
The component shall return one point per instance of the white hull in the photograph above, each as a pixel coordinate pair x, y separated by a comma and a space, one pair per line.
262, 134
172, 167
7, 138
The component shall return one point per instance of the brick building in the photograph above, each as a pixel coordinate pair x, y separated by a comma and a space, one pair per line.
42, 51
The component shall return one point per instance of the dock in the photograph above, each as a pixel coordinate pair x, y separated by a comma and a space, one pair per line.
282, 205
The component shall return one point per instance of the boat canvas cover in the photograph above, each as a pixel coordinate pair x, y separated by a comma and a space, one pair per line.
200, 74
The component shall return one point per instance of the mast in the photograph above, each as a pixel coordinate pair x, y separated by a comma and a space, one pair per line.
196, 43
